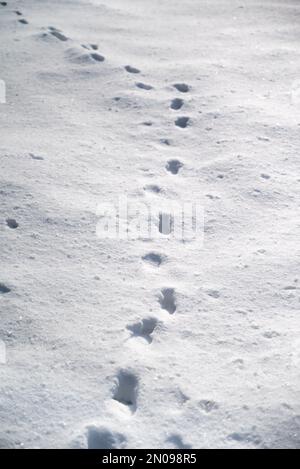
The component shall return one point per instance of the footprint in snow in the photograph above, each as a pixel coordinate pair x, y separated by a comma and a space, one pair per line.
4, 289
182, 87
126, 389
90, 46
166, 141
153, 259
167, 300
58, 34
36, 157
174, 166
143, 86
12, 223
100, 437
144, 328
153, 188
3, 4
23, 21
177, 104
182, 122
97, 57
131, 69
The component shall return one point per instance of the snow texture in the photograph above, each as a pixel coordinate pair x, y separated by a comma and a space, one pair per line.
142, 343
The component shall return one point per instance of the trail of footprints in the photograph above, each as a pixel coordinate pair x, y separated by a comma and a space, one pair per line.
127, 383
126, 386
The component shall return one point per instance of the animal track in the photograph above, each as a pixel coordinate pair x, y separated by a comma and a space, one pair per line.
144, 328
131, 69
182, 122
153, 259
58, 34
126, 389
174, 166
153, 188
36, 157
143, 86
103, 438
12, 223
167, 300
208, 406
4, 289
4, 4
165, 141
97, 57
249, 438
18, 13
23, 21
182, 87
177, 104
90, 46
77, 57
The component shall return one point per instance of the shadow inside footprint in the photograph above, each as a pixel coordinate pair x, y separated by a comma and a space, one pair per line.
22, 21
182, 122
153, 188
60, 36
126, 389
143, 86
144, 328
173, 166
4, 289
153, 259
130, 69
167, 300
177, 104
97, 57
182, 87
12, 223
102, 438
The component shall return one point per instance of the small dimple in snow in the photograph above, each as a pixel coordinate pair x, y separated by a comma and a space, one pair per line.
153, 188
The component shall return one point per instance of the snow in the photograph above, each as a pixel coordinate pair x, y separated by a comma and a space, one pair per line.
139, 343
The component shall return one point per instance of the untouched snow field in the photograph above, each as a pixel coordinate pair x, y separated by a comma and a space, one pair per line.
157, 343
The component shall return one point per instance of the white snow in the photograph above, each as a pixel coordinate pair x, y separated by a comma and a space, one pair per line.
149, 343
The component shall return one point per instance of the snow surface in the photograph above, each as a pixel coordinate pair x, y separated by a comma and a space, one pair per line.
140, 343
